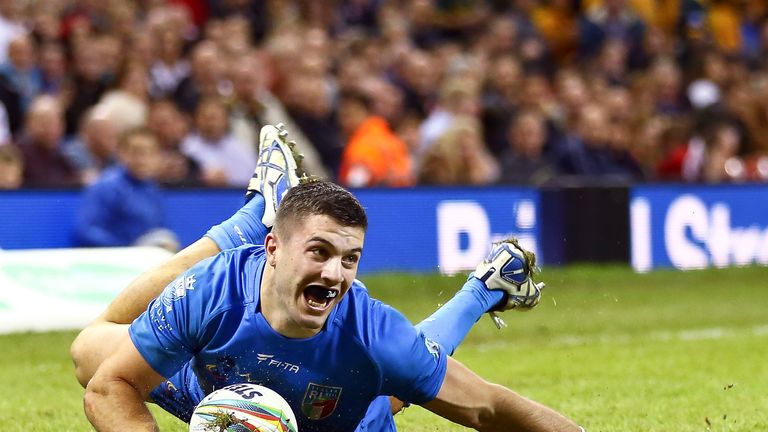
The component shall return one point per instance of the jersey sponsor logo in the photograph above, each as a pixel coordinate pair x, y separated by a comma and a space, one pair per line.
320, 401
178, 289
261, 357
272, 362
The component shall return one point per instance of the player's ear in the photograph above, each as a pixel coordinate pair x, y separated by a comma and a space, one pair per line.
270, 246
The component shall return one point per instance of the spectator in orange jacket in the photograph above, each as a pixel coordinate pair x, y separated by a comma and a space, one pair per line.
373, 155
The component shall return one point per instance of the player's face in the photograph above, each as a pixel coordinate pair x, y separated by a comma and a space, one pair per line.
313, 269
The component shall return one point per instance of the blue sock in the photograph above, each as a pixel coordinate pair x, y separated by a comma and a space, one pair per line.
243, 227
450, 324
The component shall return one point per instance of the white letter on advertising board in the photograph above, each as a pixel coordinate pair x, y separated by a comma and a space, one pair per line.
455, 218
686, 213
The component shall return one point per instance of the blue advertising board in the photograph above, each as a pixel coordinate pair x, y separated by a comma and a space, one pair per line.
42, 219
690, 227
420, 230
444, 229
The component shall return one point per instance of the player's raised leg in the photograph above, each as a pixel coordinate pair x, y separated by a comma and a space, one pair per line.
277, 170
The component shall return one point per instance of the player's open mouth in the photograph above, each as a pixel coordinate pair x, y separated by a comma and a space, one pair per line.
319, 297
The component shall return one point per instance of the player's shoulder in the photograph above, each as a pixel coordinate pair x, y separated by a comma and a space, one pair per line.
231, 275
240, 254
372, 321
233, 259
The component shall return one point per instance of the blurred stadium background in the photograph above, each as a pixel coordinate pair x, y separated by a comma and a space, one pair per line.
625, 141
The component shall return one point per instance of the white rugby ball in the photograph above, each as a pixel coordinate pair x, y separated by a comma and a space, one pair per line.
243, 408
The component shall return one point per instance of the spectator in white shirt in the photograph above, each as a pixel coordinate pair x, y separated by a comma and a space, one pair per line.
222, 160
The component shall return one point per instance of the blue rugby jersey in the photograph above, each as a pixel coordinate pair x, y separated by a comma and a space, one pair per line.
210, 317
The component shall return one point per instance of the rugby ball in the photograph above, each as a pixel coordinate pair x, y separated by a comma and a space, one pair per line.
243, 408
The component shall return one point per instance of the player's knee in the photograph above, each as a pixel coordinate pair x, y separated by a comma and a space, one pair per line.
80, 353
76, 353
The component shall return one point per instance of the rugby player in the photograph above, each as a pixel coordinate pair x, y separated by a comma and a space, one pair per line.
294, 301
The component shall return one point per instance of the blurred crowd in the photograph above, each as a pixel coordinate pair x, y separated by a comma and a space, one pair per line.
386, 93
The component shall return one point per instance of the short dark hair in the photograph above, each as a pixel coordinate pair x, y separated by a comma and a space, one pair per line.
320, 197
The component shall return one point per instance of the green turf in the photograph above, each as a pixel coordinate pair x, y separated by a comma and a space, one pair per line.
665, 351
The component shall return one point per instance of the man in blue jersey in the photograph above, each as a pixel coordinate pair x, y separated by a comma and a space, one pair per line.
282, 315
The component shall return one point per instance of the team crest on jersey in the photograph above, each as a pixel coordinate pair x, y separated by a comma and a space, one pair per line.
320, 401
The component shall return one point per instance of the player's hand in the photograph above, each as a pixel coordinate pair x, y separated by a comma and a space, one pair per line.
510, 268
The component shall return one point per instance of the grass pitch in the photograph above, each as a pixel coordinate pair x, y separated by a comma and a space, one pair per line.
616, 351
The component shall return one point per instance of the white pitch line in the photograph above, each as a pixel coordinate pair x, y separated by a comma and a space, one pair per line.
712, 333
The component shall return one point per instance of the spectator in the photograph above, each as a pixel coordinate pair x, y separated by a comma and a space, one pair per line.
373, 155
21, 70
418, 80
127, 104
501, 99
41, 144
309, 104
223, 160
11, 167
458, 97
386, 98
87, 83
94, 148
502, 36
725, 22
124, 207
170, 127
572, 93
680, 154
590, 152
11, 108
558, 23
252, 105
53, 68
110, 49
722, 161
170, 67
612, 21
11, 25
43, 21
205, 79
525, 161
255, 12
666, 87
436, 21
459, 157
611, 63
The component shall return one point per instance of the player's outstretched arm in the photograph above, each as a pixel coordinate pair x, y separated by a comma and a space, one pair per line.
99, 339
503, 281
114, 398
133, 300
467, 399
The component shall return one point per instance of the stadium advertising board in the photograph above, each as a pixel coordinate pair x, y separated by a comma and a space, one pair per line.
441, 229
46, 289
691, 227
421, 230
